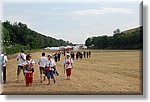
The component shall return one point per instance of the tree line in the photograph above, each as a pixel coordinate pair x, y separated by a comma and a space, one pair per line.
119, 40
17, 35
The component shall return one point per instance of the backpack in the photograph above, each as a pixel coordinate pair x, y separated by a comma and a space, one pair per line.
2, 59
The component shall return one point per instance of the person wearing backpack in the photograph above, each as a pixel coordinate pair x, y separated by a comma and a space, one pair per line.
21, 58
4, 61
68, 65
29, 70
42, 64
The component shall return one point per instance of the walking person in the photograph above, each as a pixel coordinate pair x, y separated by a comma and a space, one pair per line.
50, 69
68, 66
59, 55
56, 57
29, 70
72, 54
4, 62
42, 64
21, 58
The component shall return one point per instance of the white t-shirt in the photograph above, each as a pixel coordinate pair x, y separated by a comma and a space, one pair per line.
50, 63
42, 61
53, 63
21, 59
4, 57
68, 62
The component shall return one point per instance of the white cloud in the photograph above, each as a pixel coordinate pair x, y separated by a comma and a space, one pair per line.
106, 10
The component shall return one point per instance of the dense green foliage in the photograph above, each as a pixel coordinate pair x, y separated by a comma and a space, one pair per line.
119, 40
18, 35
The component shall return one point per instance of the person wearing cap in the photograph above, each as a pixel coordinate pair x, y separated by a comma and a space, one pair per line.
42, 64
21, 58
68, 65
29, 70
50, 68
4, 62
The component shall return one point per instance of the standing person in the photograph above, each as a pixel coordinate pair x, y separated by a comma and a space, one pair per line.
42, 64
89, 53
84, 54
4, 62
50, 71
29, 70
81, 55
64, 52
68, 66
21, 58
73, 55
77, 55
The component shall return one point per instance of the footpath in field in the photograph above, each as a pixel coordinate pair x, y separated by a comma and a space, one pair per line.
106, 72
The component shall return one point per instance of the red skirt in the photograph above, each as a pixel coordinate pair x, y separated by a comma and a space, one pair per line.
29, 78
68, 71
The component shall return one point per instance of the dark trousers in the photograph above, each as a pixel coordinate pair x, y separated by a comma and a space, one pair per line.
4, 73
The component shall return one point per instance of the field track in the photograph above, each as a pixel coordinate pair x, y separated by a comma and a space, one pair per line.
106, 72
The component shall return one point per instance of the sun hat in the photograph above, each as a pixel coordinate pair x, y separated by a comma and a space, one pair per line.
50, 55
67, 54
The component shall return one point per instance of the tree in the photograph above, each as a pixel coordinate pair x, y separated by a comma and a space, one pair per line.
88, 42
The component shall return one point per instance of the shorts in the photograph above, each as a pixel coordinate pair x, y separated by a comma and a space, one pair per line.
50, 74
42, 70
19, 69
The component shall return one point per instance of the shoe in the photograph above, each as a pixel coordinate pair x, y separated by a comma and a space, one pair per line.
44, 79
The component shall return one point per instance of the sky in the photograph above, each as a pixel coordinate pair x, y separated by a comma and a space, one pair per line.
74, 21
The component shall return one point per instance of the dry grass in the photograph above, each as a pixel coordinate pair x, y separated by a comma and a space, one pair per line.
106, 72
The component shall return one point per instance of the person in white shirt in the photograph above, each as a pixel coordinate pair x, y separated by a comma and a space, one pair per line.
42, 64
29, 70
4, 62
50, 68
21, 58
68, 66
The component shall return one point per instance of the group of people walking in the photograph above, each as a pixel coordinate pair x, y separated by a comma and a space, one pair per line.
80, 54
47, 65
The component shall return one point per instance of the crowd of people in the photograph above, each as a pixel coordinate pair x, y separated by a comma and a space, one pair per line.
47, 65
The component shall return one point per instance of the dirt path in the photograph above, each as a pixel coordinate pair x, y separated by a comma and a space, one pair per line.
106, 72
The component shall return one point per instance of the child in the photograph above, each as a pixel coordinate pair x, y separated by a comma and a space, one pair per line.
42, 64
68, 65
50, 69
29, 70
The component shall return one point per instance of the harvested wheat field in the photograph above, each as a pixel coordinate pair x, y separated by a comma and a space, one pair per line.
105, 72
